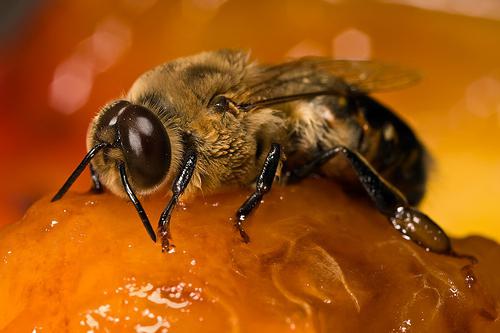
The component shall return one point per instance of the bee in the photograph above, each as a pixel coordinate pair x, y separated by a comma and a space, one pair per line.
218, 119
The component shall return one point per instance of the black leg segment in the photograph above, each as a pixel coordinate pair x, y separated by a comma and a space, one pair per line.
135, 201
178, 187
263, 185
413, 224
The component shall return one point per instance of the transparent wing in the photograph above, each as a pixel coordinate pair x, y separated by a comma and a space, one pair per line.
372, 76
309, 77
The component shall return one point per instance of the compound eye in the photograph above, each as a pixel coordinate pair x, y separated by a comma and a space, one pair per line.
145, 145
109, 118
220, 103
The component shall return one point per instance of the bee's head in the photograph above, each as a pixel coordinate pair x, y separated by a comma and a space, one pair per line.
137, 139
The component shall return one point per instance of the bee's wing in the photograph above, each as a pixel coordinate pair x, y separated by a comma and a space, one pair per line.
372, 76
309, 77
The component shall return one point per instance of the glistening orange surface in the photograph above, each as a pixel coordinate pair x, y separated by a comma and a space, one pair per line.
86, 264
71, 57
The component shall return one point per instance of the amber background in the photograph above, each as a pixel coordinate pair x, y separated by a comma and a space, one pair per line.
67, 58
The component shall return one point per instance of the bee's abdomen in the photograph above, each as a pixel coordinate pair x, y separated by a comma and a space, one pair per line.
360, 123
392, 148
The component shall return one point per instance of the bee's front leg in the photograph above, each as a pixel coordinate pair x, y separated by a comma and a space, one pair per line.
178, 187
412, 223
263, 185
137, 204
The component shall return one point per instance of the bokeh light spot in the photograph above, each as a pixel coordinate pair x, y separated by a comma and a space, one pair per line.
479, 8
73, 78
71, 86
481, 96
110, 40
352, 44
306, 48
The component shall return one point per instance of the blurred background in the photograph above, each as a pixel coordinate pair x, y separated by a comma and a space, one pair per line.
61, 60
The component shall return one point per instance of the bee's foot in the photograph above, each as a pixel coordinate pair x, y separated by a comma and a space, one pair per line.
418, 227
244, 236
166, 246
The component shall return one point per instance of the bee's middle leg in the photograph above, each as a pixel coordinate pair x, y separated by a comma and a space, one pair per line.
263, 185
412, 223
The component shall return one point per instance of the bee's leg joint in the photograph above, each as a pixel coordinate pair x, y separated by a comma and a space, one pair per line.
263, 184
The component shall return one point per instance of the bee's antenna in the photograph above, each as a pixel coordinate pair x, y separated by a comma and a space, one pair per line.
79, 170
135, 201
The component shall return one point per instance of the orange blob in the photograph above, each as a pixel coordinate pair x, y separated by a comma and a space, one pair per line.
318, 261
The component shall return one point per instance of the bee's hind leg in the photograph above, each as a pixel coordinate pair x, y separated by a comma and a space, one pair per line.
412, 223
263, 185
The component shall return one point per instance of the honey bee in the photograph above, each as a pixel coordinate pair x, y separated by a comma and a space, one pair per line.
217, 119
